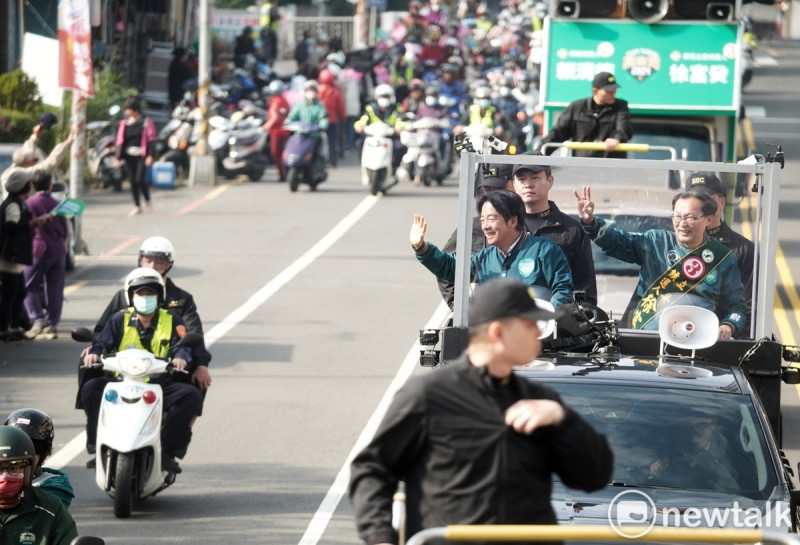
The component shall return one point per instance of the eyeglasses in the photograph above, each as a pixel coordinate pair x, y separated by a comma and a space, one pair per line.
14, 469
676, 219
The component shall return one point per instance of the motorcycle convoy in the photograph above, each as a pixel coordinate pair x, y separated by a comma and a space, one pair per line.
241, 147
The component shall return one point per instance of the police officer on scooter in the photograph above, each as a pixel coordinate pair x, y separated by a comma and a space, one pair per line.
148, 327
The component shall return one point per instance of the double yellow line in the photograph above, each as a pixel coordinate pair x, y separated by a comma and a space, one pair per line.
785, 318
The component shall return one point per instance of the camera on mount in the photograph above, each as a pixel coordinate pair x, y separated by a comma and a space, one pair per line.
429, 354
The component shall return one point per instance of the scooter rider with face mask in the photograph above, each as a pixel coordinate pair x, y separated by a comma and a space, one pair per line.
39, 427
384, 110
158, 253
28, 514
147, 327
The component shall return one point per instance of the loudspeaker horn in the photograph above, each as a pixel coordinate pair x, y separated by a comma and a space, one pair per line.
568, 8
547, 327
648, 11
719, 12
687, 326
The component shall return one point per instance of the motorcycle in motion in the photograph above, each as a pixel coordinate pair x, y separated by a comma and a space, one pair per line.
305, 156
377, 171
428, 152
128, 456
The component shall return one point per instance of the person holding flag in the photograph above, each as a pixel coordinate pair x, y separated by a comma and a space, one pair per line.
49, 262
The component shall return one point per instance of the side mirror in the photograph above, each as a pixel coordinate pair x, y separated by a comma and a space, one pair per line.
190, 340
82, 334
790, 375
87, 540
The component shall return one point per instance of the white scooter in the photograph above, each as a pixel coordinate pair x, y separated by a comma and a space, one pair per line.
423, 138
128, 455
376, 158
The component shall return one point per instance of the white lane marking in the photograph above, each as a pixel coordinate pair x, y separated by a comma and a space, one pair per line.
262, 295
755, 111
66, 454
338, 489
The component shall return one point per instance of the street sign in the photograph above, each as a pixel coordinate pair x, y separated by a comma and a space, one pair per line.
377, 4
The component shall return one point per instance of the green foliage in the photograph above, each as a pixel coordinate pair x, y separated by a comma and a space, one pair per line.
108, 90
19, 92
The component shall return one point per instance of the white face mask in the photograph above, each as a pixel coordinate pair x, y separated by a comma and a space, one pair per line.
311, 96
384, 102
505, 91
431, 101
484, 103
145, 304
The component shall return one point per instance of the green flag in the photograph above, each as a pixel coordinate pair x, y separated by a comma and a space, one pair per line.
69, 207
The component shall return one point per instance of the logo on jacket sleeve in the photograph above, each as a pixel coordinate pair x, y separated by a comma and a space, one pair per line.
526, 266
27, 538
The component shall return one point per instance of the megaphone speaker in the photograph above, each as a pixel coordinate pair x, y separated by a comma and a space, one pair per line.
648, 11
719, 12
547, 327
704, 9
568, 8
687, 326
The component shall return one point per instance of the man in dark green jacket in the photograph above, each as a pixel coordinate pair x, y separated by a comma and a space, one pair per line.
512, 252
27, 514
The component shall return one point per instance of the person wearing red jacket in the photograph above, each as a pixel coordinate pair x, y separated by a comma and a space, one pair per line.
276, 116
331, 96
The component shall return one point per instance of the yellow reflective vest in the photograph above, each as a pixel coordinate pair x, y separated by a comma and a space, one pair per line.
159, 345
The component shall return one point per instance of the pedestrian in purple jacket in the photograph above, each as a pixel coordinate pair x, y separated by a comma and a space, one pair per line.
49, 262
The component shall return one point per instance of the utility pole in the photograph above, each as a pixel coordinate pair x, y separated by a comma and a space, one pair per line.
202, 167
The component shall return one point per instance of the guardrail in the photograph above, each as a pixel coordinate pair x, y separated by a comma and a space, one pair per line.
535, 533
600, 146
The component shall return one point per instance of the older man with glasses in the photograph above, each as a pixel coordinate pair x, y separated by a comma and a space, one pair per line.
685, 266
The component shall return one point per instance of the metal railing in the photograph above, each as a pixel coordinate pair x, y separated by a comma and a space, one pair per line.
535, 533
599, 146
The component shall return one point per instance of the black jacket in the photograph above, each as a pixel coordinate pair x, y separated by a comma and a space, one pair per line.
445, 436
573, 241
579, 123
744, 250
16, 239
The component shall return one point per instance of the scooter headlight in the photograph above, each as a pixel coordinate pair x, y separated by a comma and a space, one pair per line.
134, 366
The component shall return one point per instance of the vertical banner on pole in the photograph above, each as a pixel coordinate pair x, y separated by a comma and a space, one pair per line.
75, 73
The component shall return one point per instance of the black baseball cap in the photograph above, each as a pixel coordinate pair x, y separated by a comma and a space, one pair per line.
706, 181
496, 176
504, 298
47, 120
605, 80
533, 168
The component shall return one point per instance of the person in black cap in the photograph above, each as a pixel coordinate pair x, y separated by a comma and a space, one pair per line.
742, 248
31, 159
600, 118
492, 178
459, 435
543, 218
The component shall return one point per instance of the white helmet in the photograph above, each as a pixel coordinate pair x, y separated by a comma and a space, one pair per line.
144, 276
157, 247
384, 90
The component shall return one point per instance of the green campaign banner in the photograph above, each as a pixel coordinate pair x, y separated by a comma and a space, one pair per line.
69, 207
664, 66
